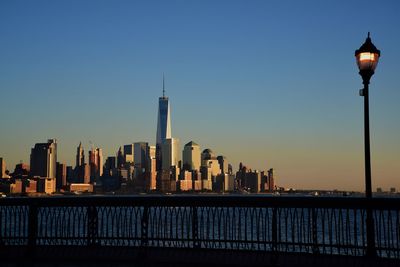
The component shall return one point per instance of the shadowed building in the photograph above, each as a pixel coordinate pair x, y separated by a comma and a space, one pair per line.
110, 165
44, 159
128, 153
70, 175
223, 164
141, 150
21, 171
120, 158
79, 165
61, 175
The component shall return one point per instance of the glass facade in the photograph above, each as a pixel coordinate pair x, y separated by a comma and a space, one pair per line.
164, 120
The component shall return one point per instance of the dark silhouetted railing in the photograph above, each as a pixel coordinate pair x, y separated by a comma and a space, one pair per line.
315, 225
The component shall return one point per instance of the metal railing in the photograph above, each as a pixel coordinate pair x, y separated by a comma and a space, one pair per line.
315, 225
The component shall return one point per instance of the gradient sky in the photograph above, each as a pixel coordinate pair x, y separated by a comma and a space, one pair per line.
268, 83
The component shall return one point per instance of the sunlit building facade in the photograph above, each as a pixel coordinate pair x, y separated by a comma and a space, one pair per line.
191, 157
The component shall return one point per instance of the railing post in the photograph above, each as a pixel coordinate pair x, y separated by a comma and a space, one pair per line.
92, 226
32, 228
314, 226
145, 227
195, 228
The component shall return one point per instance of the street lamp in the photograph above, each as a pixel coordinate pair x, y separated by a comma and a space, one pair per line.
367, 57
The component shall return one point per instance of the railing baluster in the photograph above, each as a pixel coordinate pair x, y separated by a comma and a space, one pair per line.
274, 234
195, 228
92, 226
314, 218
145, 227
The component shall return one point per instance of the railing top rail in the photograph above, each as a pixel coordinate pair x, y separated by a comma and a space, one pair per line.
206, 201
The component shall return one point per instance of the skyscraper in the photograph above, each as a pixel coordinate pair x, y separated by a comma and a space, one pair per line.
163, 126
79, 170
96, 164
164, 118
170, 153
120, 158
128, 153
140, 152
2, 168
191, 157
80, 156
271, 180
223, 164
150, 183
44, 159
61, 175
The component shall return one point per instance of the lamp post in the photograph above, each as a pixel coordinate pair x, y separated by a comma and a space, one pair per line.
367, 57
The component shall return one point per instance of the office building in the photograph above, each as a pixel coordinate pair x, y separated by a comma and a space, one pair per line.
151, 172
171, 155
185, 183
271, 180
223, 164
253, 181
224, 182
129, 154
191, 157
85, 174
141, 150
163, 125
61, 175
120, 158
80, 156
2, 168
43, 159
96, 164
164, 118
70, 175
110, 165
21, 171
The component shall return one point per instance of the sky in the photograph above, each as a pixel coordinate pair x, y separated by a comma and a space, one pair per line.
272, 84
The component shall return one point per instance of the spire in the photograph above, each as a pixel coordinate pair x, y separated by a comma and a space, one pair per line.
163, 85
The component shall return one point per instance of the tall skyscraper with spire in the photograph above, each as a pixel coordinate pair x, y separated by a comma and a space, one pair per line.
164, 118
163, 125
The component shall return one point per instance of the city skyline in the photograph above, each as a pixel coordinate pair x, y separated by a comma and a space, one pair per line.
235, 83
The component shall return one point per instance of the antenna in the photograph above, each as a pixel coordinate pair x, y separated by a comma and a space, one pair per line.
163, 85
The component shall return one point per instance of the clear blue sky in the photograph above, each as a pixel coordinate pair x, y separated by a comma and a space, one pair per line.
268, 83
